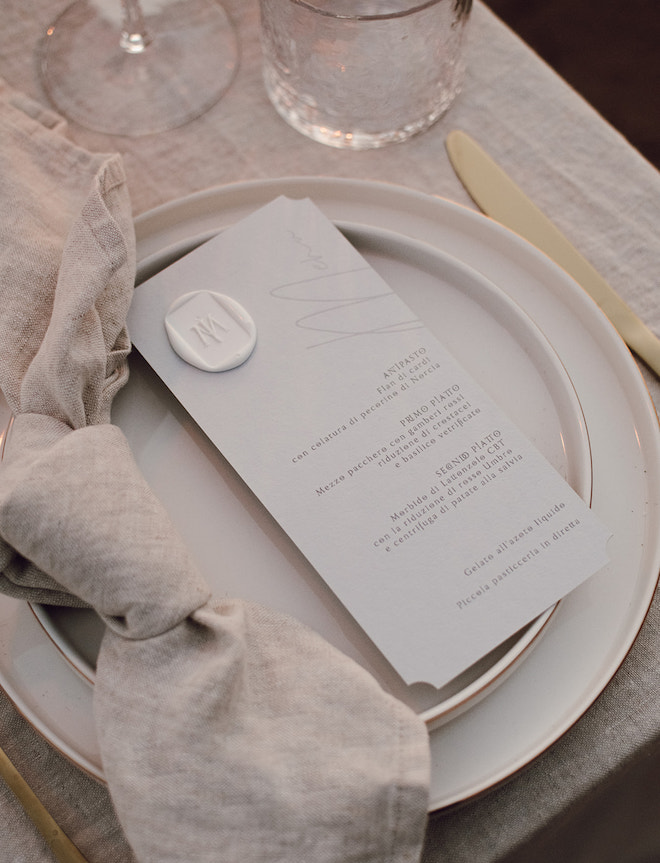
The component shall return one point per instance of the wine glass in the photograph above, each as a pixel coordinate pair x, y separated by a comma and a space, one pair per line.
126, 68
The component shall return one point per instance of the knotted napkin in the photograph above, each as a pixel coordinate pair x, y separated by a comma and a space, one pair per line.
227, 732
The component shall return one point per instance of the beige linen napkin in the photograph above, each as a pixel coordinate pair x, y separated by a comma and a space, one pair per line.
228, 732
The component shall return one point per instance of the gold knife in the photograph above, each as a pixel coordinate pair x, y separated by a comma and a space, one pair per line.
499, 197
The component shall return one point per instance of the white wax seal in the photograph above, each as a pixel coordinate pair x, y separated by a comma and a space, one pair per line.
210, 331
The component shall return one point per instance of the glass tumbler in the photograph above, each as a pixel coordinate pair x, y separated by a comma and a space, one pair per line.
363, 73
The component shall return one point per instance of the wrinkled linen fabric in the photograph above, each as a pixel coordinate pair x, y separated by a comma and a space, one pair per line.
227, 731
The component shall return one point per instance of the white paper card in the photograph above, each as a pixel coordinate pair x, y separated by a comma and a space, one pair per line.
429, 514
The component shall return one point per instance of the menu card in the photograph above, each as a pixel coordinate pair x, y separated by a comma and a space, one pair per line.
434, 520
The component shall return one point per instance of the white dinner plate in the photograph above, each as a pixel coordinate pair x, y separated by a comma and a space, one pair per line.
485, 330
591, 631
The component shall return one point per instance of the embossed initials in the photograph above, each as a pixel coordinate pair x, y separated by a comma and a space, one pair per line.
208, 330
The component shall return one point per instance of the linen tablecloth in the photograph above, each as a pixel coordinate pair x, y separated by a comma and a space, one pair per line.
594, 794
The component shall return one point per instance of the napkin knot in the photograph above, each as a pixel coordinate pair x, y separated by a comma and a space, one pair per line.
81, 526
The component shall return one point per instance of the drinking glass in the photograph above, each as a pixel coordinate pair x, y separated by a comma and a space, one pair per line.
127, 68
363, 73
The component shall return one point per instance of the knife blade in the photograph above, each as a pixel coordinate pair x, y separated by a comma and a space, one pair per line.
499, 197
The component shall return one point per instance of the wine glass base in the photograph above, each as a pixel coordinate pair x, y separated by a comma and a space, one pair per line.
187, 65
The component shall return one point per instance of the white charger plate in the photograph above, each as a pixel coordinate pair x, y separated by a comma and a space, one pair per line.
592, 629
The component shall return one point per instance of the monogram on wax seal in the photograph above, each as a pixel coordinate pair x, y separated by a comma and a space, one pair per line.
210, 331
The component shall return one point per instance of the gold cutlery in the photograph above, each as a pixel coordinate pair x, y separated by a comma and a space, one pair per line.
499, 197
63, 849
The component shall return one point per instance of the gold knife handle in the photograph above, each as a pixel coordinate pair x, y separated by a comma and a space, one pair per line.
498, 196
59, 843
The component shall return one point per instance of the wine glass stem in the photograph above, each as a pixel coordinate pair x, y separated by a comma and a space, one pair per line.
134, 37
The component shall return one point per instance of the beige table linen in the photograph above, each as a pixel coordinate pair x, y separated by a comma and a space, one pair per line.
594, 795
227, 731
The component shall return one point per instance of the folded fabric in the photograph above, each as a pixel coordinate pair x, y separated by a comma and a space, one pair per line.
227, 731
